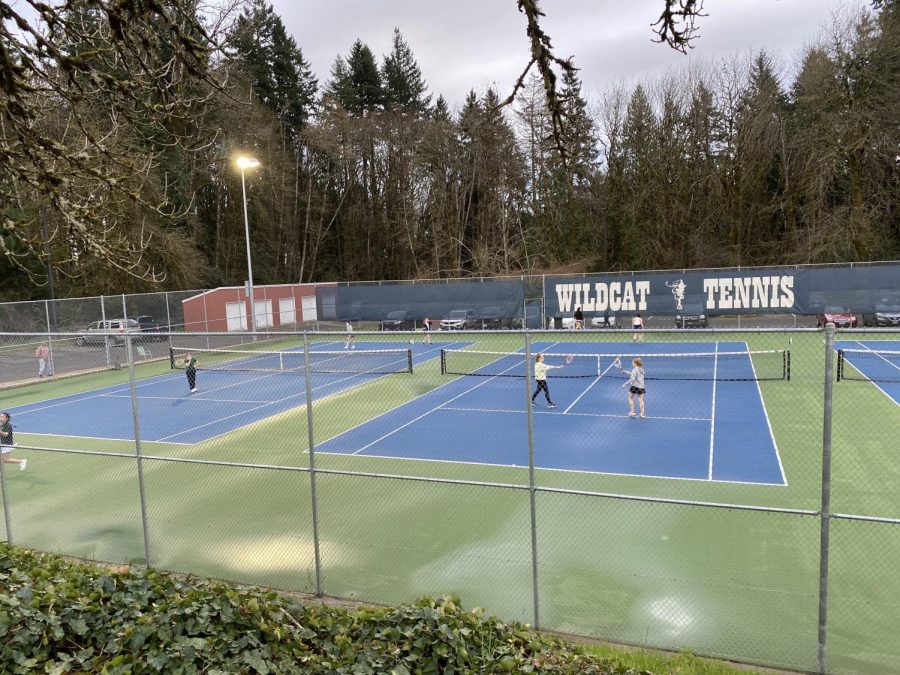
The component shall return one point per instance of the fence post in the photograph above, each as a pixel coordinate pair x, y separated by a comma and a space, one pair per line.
105, 336
825, 512
312, 464
137, 449
531, 483
49, 339
7, 521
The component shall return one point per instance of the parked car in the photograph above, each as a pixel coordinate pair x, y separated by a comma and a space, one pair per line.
604, 321
881, 319
838, 318
151, 329
887, 312
99, 331
493, 318
460, 319
692, 316
398, 320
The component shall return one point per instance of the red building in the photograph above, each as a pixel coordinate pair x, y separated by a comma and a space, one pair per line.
226, 309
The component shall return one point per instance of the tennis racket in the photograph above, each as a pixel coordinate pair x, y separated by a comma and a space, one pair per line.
618, 363
181, 363
569, 358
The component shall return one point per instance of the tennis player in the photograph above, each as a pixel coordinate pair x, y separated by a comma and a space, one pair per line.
540, 376
190, 369
637, 325
426, 326
351, 341
635, 384
6, 442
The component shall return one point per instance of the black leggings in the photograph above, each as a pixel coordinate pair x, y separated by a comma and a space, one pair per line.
541, 385
192, 379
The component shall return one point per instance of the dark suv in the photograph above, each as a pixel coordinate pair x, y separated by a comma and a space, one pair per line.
492, 318
692, 316
397, 320
151, 329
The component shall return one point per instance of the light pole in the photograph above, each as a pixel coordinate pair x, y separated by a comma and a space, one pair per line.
244, 163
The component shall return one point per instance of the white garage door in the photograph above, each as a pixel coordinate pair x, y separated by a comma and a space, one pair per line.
262, 316
309, 308
236, 316
287, 312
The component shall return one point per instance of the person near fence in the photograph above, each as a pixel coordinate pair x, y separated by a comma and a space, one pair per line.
7, 442
637, 326
351, 340
190, 369
42, 354
540, 376
635, 384
426, 326
579, 318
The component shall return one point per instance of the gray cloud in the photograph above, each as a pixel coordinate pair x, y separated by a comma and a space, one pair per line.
475, 43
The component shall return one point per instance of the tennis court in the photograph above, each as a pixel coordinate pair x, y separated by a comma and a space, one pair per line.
693, 390
422, 486
873, 361
237, 388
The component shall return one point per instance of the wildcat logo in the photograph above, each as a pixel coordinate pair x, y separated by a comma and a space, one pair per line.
678, 289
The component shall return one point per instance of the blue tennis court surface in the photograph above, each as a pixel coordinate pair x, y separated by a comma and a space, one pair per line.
225, 401
702, 429
875, 361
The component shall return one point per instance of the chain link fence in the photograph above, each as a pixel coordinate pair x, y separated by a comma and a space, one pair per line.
751, 513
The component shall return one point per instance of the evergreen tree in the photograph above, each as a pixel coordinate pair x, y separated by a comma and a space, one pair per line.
281, 78
367, 93
581, 135
404, 86
440, 111
339, 88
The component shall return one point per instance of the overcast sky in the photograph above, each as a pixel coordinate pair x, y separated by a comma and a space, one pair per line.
461, 44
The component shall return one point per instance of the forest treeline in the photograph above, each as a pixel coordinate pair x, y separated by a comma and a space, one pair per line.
370, 175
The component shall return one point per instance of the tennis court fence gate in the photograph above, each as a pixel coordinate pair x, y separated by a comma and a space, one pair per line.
799, 576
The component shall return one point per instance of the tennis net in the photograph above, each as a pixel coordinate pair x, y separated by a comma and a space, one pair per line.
356, 361
868, 365
747, 366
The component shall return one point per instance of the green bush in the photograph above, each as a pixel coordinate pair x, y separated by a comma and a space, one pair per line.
61, 617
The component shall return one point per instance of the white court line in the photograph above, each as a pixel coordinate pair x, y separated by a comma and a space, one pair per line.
103, 391
186, 398
712, 425
596, 380
480, 384
543, 468
876, 384
762, 402
98, 438
287, 398
578, 414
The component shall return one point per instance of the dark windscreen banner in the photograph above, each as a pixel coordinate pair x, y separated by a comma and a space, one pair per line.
486, 298
867, 288
782, 290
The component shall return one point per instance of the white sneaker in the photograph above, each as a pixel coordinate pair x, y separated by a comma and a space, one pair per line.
23, 465
194, 390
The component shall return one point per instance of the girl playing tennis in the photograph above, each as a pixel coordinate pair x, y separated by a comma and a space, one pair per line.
6, 442
540, 376
635, 385
637, 326
190, 369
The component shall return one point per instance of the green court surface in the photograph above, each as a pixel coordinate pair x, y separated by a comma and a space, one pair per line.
664, 570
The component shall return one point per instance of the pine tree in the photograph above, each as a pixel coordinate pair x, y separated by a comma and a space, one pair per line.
281, 78
339, 88
440, 111
404, 86
365, 81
